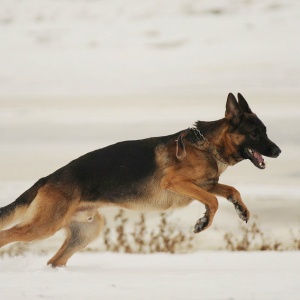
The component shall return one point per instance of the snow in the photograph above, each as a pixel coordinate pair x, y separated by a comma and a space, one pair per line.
172, 48
203, 275
79, 75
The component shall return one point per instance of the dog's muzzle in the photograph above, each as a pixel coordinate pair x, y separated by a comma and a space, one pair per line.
275, 152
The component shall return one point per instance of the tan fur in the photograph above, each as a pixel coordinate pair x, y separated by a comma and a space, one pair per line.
49, 212
161, 201
197, 175
79, 235
227, 191
15, 216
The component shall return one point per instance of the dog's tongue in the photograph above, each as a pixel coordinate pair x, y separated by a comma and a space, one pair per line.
259, 157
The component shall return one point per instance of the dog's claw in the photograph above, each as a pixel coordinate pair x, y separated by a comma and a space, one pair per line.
201, 224
230, 199
242, 213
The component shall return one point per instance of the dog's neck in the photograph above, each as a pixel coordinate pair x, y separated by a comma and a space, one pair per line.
212, 129
212, 135
201, 141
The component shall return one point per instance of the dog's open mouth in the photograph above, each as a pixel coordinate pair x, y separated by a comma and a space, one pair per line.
256, 158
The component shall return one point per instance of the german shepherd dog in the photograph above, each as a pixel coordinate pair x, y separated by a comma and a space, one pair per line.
157, 173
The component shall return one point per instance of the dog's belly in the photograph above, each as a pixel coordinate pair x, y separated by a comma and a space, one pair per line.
161, 201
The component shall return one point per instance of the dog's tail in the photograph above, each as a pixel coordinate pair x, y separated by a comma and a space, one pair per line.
11, 212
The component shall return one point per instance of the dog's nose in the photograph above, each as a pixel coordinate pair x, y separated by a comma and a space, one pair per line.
276, 151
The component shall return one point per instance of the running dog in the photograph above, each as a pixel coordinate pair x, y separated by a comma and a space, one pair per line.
157, 173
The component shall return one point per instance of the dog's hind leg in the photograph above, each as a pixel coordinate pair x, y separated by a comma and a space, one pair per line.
14, 211
48, 212
79, 235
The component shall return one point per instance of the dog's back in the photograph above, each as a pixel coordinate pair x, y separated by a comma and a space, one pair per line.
112, 174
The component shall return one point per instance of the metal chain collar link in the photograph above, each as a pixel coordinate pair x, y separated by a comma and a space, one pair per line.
211, 148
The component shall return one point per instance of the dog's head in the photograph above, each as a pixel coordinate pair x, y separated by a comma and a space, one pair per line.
248, 133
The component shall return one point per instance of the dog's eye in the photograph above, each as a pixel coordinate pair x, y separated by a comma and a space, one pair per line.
255, 133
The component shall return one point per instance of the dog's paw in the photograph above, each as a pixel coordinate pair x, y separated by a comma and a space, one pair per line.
242, 212
201, 224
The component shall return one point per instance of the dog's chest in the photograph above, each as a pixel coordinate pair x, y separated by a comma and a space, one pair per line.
221, 167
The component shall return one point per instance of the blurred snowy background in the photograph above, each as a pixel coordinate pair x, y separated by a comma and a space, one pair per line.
170, 48
79, 75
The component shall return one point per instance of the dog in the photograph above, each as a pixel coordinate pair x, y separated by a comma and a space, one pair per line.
157, 173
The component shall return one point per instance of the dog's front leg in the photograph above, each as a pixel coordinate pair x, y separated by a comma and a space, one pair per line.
233, 196
191, 190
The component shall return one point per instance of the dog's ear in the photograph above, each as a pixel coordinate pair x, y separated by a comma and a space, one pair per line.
233, 111
180, 147
243, 104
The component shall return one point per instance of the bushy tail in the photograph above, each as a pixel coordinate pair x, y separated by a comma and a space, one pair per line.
11, 212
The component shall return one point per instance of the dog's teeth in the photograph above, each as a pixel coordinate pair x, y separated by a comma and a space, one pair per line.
251, 151
262, 164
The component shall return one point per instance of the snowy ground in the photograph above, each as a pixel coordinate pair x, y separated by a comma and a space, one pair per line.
205, 275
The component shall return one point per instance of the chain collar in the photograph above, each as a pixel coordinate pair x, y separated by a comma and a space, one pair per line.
211, 148
198, 134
